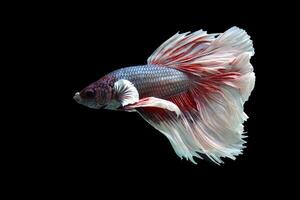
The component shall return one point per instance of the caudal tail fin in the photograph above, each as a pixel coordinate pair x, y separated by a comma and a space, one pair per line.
212, 116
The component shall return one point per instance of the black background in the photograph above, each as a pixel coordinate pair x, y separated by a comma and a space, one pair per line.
70, 147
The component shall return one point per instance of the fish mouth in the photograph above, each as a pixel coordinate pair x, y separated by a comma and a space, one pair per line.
77, 97
89, 104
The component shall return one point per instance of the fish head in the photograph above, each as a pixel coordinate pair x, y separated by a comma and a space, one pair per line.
96, 95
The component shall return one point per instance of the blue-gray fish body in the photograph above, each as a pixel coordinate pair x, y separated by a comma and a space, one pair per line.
154, 80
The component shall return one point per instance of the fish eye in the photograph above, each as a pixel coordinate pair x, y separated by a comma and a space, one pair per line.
89, 93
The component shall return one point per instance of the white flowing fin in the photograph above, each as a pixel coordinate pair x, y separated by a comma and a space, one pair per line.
155, 103
214, 129
125, 92
245, 83
179, 46
212, 115
199, 53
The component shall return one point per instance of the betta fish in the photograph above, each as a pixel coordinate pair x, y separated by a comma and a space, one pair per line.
192, 90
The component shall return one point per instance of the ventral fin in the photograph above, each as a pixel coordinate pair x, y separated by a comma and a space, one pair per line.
155, 102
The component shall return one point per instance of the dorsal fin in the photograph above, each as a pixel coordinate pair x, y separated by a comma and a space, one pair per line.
200, 53
181, 46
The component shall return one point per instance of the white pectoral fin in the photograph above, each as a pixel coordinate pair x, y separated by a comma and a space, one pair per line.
155, 102
126, 92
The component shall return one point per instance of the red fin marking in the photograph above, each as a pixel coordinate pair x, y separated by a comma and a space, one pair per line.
211, 119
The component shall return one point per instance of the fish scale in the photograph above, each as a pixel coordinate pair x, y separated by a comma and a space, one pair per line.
154, 80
